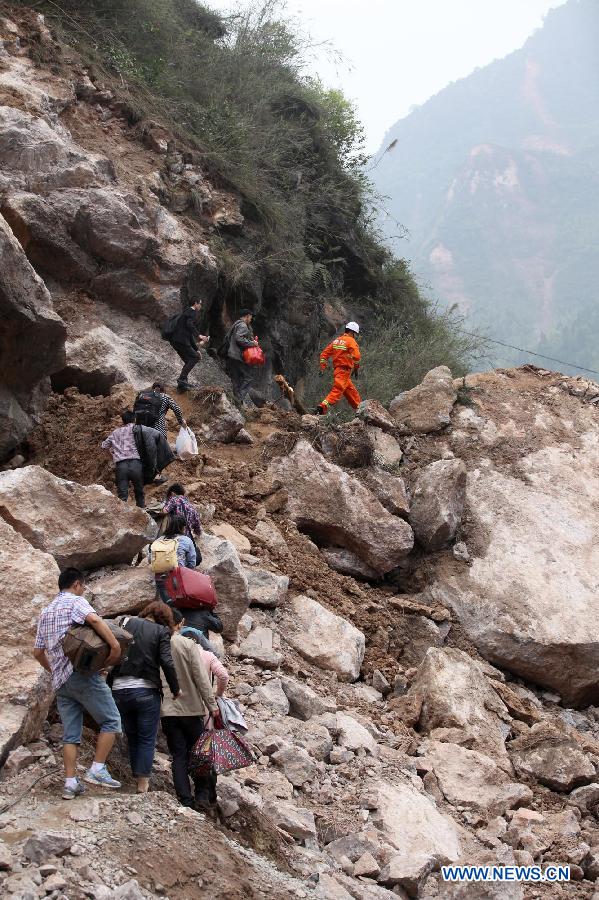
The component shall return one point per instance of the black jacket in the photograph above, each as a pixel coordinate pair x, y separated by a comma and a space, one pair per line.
154, 451
186, 329
149, 652
203, 619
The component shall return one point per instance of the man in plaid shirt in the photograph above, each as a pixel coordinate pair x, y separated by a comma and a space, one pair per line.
127, 463
76, 693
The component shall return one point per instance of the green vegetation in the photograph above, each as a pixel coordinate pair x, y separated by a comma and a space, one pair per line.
235, 89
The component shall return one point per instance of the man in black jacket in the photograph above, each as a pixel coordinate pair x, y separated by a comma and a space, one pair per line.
184, 342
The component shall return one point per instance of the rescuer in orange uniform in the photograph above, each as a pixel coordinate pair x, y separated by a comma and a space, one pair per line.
346, 359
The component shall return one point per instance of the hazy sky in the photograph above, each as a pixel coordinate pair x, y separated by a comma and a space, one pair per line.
398, 53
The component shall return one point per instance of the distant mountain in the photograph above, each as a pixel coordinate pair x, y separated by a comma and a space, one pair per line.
497, 180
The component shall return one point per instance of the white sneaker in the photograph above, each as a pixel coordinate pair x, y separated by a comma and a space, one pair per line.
102, 777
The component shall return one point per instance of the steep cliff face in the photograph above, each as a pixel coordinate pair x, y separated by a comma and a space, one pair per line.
496, 179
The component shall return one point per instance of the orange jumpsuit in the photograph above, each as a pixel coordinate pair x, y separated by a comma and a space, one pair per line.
346, 357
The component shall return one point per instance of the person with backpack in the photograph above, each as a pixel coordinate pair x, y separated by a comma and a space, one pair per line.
345, 353
183, 719
77, 693
182, 333
152, 405
128, 466
173, 548
137, 687
240, 337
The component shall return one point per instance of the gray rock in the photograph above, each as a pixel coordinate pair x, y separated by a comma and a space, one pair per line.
426, 407
561, 767
297, 765
438, 503
43, 844
390, 490
380, 683
586, 798
347, 563
265, 588
374, 413
221, 561
386, 451
303, 701
5, 857
326, 639
297, 822
356, 520
258, 646
271, 694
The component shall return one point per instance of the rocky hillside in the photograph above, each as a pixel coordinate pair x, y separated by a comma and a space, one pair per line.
409, 625
496, 180
115, 209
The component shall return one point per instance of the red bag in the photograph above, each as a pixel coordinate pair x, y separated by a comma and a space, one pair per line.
254, 356
189, 588
219, 751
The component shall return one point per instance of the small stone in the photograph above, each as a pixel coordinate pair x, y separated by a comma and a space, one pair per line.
134, 818
85, 811
47, 869
338, 756
380, 683
366, 866
56, 882
461, 553
18, 760
43, 844
5, 857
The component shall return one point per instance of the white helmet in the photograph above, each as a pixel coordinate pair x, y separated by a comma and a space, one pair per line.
353, 326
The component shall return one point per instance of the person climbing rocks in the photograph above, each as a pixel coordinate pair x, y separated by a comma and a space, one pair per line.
152, 405
345, 353
183, 718
184, 340
136, 686
77, 693
176, 529
128, 467
240, 338
177, 504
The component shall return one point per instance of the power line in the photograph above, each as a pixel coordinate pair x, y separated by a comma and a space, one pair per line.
529, 352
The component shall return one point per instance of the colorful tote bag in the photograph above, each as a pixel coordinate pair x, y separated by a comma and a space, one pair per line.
219, 751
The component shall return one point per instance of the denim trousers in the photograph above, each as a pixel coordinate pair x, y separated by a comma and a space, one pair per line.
91, 694
140, 715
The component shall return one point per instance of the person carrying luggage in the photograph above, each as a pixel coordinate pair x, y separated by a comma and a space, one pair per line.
174, 548
128, 468
240, 338
137, 688
183, 720
77, 693
152, 405
216, 670
183, 338
345, 353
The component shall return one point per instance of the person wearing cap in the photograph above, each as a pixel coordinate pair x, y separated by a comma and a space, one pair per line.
241, 337
345, 353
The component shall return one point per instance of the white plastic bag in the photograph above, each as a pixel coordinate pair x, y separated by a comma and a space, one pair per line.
186, 446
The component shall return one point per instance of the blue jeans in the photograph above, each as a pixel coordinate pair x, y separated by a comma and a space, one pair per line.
91, 694
140, 712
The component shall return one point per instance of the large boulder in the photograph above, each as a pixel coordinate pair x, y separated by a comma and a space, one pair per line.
426, 407
266, 588
458, 703
221, 561
325, 639
82, 526
335, 509
552, 758
474, 781
438, 503
127, 590
423, 837
27, 320
28, 582
528, 600
390, 490
215, 418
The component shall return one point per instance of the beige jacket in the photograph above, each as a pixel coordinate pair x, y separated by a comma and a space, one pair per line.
197, 698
